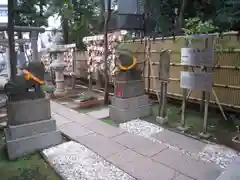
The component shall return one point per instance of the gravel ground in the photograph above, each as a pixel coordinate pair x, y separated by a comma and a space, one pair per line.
76, 162
217, 154
220, 155
141, 128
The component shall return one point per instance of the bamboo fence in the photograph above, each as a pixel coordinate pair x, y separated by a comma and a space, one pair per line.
226, 72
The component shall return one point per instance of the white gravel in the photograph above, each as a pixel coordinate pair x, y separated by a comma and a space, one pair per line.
141, 128
217, 154
76, 162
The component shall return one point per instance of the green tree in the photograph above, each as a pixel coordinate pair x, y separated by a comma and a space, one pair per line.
78, 18
228, 14
30, 13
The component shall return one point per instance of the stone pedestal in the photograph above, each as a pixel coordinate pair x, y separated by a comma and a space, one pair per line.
30, 127
129, 101
58, 66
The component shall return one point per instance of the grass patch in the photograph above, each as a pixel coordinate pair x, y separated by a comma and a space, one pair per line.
220, 130
31, 167
109, 121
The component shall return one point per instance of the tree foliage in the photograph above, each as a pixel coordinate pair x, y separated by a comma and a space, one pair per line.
85, 17
31, 13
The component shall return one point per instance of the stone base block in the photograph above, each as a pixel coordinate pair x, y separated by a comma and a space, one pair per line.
161, 120
24, 146
31, 129
123, 115
27, 111
128, 89
130, 102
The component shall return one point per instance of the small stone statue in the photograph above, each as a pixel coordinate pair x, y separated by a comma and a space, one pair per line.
127, 66
27, 85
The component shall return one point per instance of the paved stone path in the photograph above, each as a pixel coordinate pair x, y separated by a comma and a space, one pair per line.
140, 157
99, 114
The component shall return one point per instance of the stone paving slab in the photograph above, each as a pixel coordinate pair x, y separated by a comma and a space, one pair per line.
100, 114
104, 128
198, 170
74, 161
56, 108
232, 171
140, 144
141, 167
182, 177
183, 142
70, 114
74, 130
60, 120
100, 144
141, 157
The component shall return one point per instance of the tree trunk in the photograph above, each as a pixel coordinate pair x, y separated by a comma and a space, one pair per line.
181, 14
107, 17
101, 16
65, 29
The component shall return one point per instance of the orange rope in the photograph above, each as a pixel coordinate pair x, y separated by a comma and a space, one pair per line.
29, 76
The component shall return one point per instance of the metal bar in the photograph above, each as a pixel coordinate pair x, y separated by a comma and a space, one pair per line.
11, 40
5, 27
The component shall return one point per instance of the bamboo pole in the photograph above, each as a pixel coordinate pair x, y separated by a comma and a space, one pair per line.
219, 105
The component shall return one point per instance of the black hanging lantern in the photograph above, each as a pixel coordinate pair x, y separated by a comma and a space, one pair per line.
127, 15
130, 14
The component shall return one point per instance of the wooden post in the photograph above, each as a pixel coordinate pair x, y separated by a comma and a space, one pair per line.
164, 68
164, 100
184, 102
160, 99
207, 95
148, 53
204, 132
202, 103
183, 126
74, 68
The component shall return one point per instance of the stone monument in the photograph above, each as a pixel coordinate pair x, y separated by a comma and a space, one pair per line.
129, 100
29, 126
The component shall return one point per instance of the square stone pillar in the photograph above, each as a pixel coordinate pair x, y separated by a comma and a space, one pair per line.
129, 101
30, 127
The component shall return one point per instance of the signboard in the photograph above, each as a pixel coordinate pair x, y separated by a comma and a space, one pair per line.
164, 66
197, 57
199, 81
3, 14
